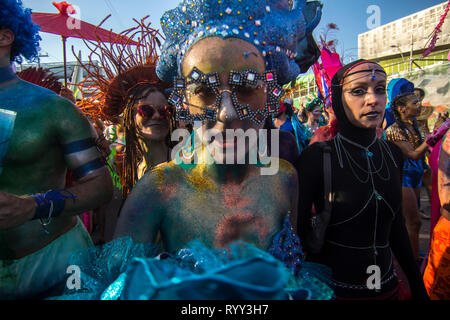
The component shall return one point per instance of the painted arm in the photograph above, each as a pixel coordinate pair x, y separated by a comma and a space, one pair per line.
78, 138
410, 152
94, 186
142, 213
397, 136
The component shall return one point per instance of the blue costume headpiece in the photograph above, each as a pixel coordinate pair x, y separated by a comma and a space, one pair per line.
399, 86
282, 34
15, 17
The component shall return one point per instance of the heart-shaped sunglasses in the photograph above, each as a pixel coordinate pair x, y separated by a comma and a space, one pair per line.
147, 111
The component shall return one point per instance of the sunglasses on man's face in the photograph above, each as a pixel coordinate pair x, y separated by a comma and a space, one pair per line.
147, 111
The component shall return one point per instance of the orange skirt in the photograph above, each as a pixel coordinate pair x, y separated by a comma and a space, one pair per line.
437, 273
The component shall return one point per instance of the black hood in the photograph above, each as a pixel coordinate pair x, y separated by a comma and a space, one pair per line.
359, 135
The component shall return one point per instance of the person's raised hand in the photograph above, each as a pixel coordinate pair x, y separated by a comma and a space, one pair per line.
441, 119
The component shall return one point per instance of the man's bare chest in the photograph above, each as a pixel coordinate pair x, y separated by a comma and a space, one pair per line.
228, 205
31, 139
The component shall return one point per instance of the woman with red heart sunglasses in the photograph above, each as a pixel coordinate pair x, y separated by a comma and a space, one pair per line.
133, 99
151, 125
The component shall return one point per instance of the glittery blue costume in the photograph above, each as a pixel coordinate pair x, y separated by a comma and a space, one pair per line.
283, 35
123, 269
126, 270
412, 169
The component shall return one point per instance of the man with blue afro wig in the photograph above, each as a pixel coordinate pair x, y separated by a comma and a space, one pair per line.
16, 21
42, 135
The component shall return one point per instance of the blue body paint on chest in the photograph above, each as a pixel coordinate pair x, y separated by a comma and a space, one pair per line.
7, 119
7, 74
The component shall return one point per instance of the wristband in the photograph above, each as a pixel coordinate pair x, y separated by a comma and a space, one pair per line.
50, 204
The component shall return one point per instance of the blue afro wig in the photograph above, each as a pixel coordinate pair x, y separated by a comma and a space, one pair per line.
15, 17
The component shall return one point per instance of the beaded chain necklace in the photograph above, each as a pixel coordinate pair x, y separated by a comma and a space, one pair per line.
371, 171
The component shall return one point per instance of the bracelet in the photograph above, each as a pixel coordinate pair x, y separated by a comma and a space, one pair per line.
50, 204
47, 221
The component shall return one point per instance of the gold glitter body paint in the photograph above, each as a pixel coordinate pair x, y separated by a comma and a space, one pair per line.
187, 204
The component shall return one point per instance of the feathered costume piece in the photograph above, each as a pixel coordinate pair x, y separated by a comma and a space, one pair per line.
323, 73
114, 69
41, 77
431, 44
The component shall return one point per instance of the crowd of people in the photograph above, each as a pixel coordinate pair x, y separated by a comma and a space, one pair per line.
344, 198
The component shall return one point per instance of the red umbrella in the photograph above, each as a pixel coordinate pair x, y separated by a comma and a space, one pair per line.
65, 26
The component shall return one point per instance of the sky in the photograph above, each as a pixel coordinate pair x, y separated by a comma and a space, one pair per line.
350, 16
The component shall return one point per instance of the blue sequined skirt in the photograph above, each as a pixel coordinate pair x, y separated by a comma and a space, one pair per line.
125, 270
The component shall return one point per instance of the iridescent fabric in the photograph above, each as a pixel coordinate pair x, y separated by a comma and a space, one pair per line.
102, 265
201, 273
314, 277
42, 272
412, 173
129, 271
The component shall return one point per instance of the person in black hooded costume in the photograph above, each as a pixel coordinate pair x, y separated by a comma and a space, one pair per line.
366, 226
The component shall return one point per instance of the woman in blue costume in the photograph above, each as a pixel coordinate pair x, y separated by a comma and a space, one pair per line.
405, 133
226, 224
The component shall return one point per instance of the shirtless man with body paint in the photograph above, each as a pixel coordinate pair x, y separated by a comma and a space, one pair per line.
39, 228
